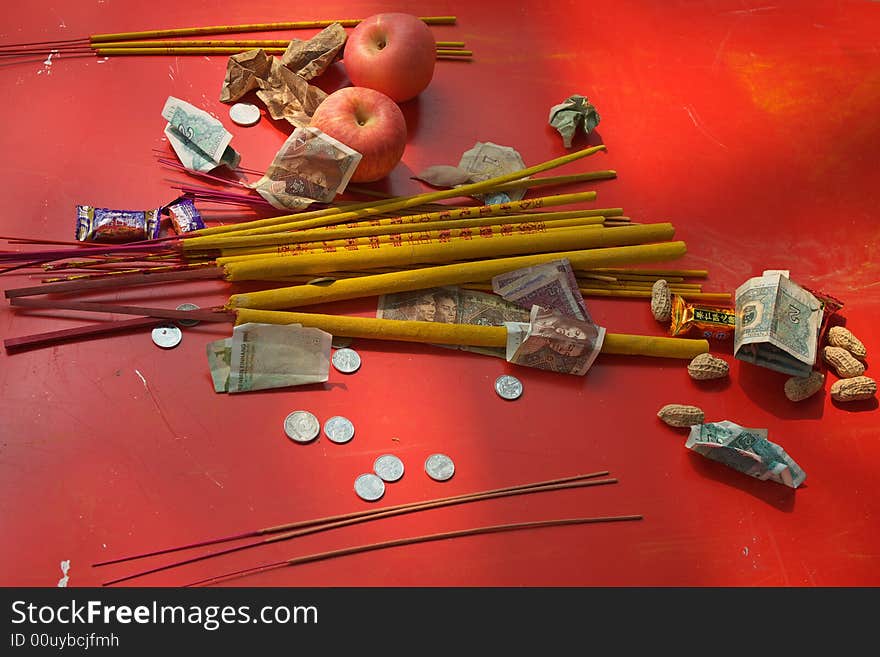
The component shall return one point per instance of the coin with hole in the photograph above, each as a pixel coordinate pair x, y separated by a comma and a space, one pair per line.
167, 337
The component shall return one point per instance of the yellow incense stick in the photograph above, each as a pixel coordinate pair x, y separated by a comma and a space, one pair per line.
418, 279
513, 223
228, 43
399, 240
562, 239
463, 334
252, 27
660, 273
335, 215
276, 234
225, 50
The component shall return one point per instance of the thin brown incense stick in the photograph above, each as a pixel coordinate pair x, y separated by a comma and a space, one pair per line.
284, 536
95, 330
332, 554
115, 281
346, 516
89, 306
252, 27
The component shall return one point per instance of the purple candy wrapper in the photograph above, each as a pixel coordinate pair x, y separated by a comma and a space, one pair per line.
184, 216
105, 225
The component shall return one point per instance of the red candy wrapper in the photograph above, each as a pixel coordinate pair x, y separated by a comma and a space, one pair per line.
184, 215
830, 306
711, 322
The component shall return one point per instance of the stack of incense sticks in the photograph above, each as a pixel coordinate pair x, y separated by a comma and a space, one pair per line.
156, 42
358, 251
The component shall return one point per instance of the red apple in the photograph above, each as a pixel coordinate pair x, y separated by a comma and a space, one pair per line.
370, 123
392, 53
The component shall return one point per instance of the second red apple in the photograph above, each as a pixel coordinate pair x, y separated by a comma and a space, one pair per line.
370, 123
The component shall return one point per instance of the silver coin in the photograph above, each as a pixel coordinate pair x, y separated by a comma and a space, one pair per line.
439, 467
508, 387
346, 360
339, 429
340, 342
187, 322
167, 337
369, 487
301, 426
388, 467
244, 114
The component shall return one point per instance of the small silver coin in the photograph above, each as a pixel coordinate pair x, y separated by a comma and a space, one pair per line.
340, 342
369, 487
346, 360
388, 467
339, 429
301, 426
508, 387
244, 114
167, 337
187, 322
439, 467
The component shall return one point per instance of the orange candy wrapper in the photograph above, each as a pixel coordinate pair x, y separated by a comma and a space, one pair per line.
711, 322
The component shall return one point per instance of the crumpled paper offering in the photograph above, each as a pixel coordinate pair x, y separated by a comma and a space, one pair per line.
485, 160
244, 72
283, 85
288, 96
574, 112
309, 59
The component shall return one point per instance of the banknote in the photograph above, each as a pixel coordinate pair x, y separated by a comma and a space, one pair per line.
310, 166
200, 141
573, 113
261, 356
487, 160
452, 305
219, 360
550, 285
554, 341
777, 324
745, 450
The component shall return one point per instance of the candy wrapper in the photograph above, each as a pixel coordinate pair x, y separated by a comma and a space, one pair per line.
185, 217
830, 306
105, 225
745, 450
710, 322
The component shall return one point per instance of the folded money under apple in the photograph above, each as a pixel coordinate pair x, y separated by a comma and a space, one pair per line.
367, 121
393, 53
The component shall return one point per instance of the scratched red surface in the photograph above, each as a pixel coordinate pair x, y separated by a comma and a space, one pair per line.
752, 127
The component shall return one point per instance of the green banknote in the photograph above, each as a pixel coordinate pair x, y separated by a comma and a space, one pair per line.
200, 141
777, 324
261, 356
219, 360
745, 450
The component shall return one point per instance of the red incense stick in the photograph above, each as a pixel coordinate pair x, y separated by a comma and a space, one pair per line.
370, 547
345, 516
379, 514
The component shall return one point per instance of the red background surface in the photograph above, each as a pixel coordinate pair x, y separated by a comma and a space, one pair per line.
752, 127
